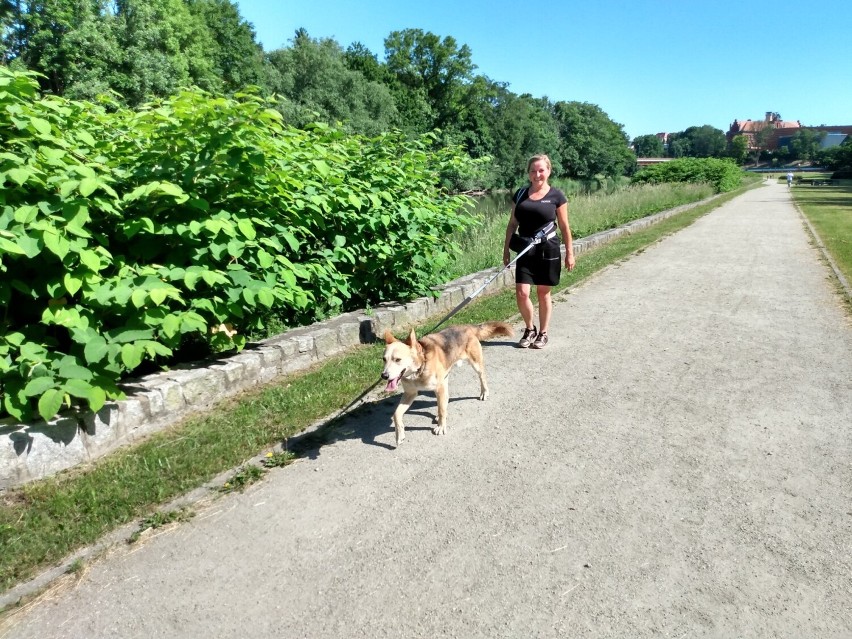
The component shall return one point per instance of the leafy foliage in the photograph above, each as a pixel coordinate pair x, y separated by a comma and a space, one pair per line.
698, 142
723, 175
313, 78
126, 235
648, 146
592, 144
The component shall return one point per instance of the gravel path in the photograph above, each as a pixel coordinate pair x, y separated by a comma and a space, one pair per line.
676, 463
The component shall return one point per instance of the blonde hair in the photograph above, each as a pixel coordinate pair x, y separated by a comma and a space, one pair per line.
536, 158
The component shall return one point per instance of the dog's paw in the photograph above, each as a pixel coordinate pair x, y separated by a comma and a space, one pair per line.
399, 439
440, 430
483, 396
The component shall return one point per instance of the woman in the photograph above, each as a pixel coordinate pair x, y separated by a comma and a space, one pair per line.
532, 208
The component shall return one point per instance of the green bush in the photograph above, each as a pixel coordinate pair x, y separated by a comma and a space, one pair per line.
126, 235
723, 175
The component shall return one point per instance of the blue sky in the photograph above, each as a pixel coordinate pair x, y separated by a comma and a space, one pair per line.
651, 65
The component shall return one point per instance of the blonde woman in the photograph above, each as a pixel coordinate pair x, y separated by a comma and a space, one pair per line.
532, 208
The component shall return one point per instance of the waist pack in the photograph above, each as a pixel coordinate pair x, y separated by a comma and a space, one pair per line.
519, 243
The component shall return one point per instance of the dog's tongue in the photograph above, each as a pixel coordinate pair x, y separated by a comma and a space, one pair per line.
392, 384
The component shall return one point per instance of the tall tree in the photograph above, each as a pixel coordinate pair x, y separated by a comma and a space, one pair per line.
805, 144
237, 57
698, 141
592, 144
359, 58
70, 42
523, 126
648, 146
434, 68
165, 48
7, 13
313, 77
738, 149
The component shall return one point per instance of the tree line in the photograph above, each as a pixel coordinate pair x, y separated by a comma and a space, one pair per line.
138, 50
143, 49
805, 145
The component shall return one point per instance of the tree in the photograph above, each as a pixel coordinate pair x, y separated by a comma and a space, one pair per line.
522, 126
434, 68
237, 58
165, 48
359, 58
7, 13
313, 77
70, 42
648, 146
592, 144
805, 144
837, 157
738, 148
699, 142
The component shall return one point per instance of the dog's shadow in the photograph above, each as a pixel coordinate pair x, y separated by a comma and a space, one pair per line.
368, 422
373, 420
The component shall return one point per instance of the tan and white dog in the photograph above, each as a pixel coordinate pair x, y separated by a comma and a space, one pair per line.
426, 364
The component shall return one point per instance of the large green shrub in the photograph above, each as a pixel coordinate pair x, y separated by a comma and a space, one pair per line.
723, 175
125, 235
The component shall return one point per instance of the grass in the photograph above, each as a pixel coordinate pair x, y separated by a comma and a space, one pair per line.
829, 209
43, 522
482, 246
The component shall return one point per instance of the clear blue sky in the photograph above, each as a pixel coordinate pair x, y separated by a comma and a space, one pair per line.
651, 65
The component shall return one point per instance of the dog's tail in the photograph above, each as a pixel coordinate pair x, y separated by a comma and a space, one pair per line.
488, 330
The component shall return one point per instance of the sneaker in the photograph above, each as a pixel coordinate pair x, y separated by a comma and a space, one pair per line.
527, 339
540, 341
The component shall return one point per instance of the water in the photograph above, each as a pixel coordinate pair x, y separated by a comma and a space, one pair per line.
493, 204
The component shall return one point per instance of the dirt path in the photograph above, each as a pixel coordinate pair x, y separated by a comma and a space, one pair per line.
676, 463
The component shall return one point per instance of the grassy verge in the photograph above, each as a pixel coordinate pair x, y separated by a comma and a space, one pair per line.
43, 522
829, 209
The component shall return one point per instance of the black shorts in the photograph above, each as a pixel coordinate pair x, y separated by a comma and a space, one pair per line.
541, 266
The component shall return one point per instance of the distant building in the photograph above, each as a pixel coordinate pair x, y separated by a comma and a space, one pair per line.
783, 131
750, 128
664, 138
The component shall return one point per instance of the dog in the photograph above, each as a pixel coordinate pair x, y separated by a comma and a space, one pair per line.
426, 364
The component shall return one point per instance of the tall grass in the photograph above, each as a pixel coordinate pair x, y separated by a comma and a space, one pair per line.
482, 246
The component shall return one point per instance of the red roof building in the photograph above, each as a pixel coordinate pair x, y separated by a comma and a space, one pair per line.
750, 129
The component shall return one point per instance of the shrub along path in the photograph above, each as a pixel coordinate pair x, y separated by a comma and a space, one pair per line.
675, 462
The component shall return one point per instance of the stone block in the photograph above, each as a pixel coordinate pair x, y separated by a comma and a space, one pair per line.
326, 342
300, 362
417, 309
251, 362
381, 321
349, 334
40, 449
234, 372
200, 387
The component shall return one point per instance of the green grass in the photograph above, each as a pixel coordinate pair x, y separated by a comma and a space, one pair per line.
43, 522
829, 209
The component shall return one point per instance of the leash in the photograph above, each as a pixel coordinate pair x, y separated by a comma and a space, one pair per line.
542, 235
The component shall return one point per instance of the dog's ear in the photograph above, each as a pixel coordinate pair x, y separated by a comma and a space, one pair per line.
412, 339
389, 338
